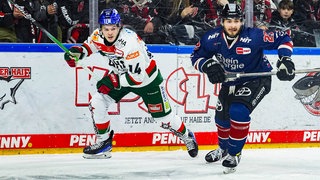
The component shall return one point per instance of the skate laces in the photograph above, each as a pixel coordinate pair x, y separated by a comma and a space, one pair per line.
233, 159
217, 153
230, 158
97, 145
189, 142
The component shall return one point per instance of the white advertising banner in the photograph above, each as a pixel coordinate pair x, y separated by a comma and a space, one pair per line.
40, 93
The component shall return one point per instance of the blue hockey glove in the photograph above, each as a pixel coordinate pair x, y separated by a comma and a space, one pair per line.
214, 71
285, 69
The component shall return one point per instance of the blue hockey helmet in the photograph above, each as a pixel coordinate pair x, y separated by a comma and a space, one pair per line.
231, 11
109, 16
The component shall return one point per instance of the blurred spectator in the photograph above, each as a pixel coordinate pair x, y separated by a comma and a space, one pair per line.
304, 10
214, 11
273, 5
136, 15
7, 22
182, 22
102, 4
262, 12
73, 16
282, 20
317, 9
24, 30
276, 2
305, 16
45, 12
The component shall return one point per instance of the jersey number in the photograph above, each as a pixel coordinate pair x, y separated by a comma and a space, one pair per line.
268, 37
135, 69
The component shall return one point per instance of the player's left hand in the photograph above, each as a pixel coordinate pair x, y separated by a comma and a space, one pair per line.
285, 69
75, 53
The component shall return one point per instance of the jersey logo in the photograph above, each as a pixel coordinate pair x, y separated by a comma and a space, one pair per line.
244, 91
213, 36
154, 108
197, 46
122, 42
268, 37
95, 36
118, 52
245, 40
243, 50
133, 55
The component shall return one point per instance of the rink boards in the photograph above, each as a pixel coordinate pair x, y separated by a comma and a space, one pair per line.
46, 111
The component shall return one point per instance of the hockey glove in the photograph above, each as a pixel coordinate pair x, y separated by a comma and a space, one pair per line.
214, 71
75, 53
285, 69
108, 82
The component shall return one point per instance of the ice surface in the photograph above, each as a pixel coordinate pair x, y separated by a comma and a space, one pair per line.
270, 164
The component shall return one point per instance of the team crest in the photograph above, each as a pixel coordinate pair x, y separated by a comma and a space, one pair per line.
8, 90
307, 90
10, 81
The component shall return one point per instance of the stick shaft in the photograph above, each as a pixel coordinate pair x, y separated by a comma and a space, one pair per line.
55, 40
240, 75
29, 17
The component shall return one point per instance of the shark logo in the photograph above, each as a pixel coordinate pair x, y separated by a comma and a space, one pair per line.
307, 90
8, 90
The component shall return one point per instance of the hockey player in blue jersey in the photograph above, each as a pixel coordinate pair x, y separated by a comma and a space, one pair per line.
234, 48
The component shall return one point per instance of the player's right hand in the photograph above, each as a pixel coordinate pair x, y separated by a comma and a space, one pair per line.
75, 53
214, 71
108, 82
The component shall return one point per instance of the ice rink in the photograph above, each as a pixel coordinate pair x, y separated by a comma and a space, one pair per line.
270, 164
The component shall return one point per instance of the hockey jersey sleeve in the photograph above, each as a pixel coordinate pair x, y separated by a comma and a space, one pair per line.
279, 40
205, 49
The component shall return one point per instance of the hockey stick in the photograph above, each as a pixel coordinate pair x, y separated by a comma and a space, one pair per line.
232, 76
55, 40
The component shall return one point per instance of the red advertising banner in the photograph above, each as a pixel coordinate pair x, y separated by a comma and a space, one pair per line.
155, 139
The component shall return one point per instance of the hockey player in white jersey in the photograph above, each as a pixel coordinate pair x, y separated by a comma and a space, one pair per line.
132, 69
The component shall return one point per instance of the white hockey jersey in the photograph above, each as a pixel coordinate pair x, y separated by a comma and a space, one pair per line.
129, 57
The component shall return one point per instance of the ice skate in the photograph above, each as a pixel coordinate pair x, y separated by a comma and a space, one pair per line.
100, 150
191, 143
231, 163
216, 155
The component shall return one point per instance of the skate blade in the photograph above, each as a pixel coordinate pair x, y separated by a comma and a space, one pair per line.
229, 170
97, 156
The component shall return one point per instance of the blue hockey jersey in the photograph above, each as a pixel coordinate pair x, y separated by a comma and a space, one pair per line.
245, 54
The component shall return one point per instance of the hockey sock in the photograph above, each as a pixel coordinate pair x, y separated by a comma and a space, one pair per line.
240, 121
223, 127
102, 131
173, 123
